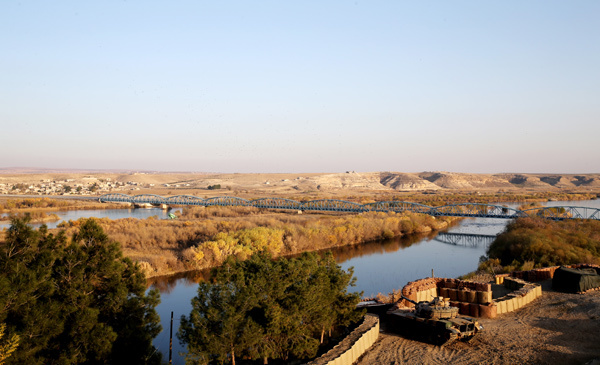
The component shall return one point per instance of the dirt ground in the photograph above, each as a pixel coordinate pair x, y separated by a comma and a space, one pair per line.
557, 328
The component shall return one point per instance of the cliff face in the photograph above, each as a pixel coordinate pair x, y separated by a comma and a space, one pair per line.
462, 181
402, 181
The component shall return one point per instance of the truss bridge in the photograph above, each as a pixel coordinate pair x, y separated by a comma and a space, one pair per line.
465, 239
473, 210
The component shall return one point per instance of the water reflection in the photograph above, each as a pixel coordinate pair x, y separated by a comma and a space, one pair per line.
166, 284
345, 253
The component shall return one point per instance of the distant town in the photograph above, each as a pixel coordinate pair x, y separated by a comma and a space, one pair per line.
89, 186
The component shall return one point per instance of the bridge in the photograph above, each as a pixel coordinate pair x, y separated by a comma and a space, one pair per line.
472, 210
465, 239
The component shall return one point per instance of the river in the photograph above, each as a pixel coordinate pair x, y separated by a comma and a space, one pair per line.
139, 213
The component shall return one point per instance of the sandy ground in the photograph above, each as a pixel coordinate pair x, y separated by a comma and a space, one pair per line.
557, 328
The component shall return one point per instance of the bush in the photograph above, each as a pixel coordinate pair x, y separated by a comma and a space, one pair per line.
538, 242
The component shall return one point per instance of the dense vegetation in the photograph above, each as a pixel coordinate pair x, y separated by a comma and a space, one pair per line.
205, 237
445, 198
35, 216
537, 242
48, 204
74, 301
268, 309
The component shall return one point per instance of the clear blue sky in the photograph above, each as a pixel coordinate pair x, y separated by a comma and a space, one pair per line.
301, 86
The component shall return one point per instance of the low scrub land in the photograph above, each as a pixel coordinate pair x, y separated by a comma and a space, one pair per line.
204, 237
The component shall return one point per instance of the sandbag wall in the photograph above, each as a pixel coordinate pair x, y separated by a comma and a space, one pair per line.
472, 299
545, 273
522, 294
420, 290
531, 276
353, 346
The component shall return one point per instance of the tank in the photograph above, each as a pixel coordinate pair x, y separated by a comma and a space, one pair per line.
434, 322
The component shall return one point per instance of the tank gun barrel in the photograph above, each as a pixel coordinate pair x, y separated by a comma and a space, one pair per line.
410, 300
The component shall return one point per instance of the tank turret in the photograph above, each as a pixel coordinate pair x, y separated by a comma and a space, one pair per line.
434, 321
438, 308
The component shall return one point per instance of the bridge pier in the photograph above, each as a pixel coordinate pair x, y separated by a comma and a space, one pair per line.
142, 205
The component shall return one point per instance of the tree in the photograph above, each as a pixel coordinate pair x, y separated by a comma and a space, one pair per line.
9, 346
77, 301
268, 309
218, 327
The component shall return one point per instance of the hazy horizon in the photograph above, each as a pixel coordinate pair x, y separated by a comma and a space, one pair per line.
268, 87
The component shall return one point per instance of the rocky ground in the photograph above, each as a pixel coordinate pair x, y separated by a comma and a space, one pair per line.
557, 328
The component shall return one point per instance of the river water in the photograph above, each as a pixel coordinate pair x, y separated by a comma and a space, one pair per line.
140, 213
379, 267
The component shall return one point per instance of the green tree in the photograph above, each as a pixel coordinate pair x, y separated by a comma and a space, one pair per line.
77, 302
268, 309
7, 347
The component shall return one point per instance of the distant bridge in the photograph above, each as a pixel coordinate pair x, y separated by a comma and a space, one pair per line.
473, 210
465, 239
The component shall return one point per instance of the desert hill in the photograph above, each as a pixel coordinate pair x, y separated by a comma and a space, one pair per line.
313, 184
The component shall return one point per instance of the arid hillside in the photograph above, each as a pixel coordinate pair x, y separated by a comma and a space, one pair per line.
299, 184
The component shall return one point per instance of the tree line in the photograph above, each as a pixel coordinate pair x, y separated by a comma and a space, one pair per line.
77, 300
73, 301
268, 309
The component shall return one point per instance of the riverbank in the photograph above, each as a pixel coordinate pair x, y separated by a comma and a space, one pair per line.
203, 238
21, 205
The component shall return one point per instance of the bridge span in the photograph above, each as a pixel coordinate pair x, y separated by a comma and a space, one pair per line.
472, 210
465, 239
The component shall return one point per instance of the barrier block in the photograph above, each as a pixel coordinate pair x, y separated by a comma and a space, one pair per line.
488, 311
484, 297
501, 306
474, 310
510, 305
464, 308
472, 296
452, 294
